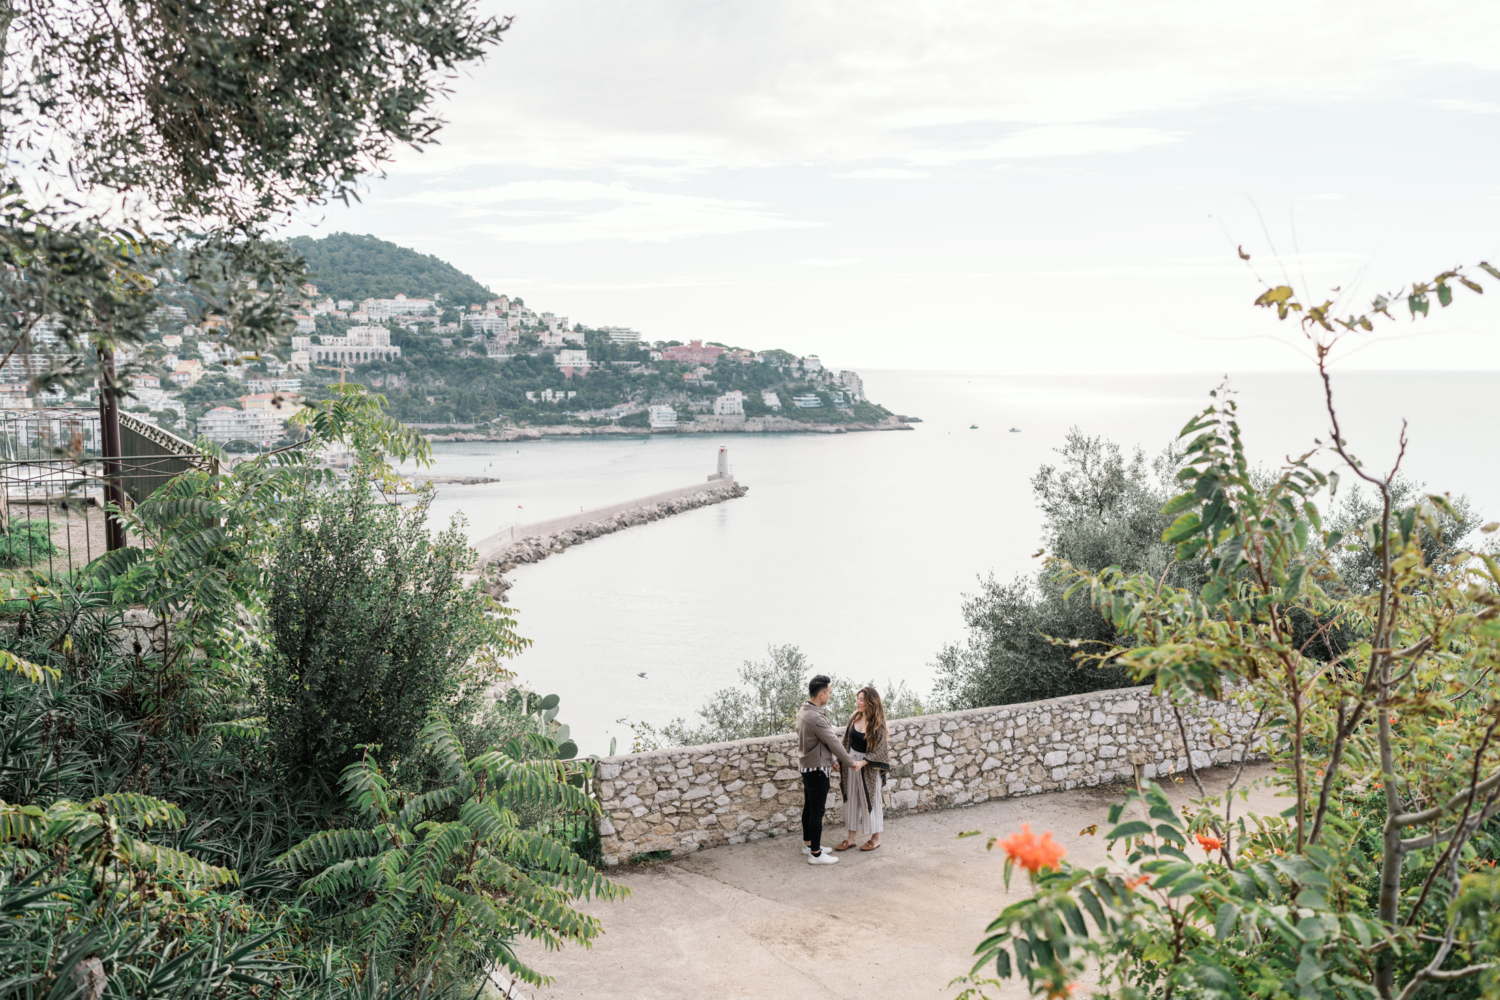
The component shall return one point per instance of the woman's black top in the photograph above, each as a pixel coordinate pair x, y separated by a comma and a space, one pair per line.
857, 740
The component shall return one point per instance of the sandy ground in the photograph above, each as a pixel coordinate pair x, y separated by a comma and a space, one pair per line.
755, 921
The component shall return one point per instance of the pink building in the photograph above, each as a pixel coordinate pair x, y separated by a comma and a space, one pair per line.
694, 353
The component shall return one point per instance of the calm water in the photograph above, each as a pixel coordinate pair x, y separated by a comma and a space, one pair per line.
859, 547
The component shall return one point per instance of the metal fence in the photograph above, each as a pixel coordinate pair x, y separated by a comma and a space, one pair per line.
53, 483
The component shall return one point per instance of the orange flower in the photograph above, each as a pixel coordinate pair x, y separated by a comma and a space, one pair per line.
1135, 883
1030, 853
1061, 992
1210, 844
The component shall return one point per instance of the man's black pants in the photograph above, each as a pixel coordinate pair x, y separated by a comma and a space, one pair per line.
814, 801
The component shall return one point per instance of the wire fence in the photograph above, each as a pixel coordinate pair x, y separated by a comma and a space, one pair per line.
53, 483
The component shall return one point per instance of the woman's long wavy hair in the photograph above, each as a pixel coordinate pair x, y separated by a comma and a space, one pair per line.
874, 717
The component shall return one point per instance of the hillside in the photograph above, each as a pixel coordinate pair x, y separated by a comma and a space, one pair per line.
346, 266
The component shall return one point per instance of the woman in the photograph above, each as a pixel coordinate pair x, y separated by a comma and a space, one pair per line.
866, 739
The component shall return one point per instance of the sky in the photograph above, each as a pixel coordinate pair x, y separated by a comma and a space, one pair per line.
989, 186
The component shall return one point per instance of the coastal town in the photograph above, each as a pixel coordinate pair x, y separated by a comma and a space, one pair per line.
478, 368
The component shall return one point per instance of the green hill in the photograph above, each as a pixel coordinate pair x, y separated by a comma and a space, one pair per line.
346, 266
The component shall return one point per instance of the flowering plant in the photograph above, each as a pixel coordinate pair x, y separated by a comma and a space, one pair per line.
1375, 699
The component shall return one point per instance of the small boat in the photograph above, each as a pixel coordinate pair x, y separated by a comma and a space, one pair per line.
1015, 430
973, 427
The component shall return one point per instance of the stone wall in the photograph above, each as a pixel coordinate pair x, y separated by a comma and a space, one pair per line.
684, 799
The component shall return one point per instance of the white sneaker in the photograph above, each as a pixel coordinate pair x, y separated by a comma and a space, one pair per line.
825, 858
806, 849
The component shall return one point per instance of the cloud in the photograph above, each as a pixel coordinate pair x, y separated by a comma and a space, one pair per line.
1053, 141
831, 261
1266, 265
1472, 107
664, 88
885, 174
567, 211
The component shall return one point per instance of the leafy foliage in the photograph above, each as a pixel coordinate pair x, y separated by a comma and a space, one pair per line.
777, 690
1100, 510
372, 627
23, 542
1379, 878
450, 876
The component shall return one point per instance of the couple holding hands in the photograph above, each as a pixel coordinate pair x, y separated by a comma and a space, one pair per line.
861, 757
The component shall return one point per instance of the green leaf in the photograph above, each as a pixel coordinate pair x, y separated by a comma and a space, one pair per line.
567, 750
1308, 969
1417, 304
1224, 923
1074, 917
1445, 294
1184, 527
1133, 828
1091, 903
1180, 503
1002, 963
548, 703
1490, 270
1190, 884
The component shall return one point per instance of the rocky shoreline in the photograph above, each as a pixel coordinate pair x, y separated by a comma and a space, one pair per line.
703, 425
535, 548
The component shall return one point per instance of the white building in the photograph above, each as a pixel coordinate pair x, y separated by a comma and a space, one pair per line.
259, 386
259, 426
769, 397
571, 361
811, 364
488, 324
552, 395
852, 384
808, 401
305, 323
382, 309
731, 404
622, 334
663, 418
171, 340
360, 345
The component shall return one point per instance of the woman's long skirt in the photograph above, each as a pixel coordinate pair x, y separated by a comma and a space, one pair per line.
860, 814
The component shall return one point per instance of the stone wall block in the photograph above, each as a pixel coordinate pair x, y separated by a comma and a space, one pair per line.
690, 798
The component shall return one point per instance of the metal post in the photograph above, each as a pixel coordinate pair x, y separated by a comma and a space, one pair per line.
109, 442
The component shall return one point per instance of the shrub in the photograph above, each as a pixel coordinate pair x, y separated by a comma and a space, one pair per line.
372, 627
23, 542
777, 689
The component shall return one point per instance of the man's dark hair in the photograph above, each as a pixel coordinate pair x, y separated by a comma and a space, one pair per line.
818, 683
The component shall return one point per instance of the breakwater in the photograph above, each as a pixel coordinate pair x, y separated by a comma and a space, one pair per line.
684, 799
519, 544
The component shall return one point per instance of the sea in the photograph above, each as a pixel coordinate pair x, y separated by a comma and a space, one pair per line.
859, 548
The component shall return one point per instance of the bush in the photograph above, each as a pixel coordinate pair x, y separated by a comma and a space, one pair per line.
23, 542
373, 628
1100, 510
777, 690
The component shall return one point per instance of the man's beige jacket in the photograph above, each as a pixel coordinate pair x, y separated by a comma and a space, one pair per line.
817, 742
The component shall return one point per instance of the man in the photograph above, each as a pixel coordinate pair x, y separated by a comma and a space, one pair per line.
820, 750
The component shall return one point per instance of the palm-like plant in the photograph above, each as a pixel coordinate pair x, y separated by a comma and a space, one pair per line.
446, 880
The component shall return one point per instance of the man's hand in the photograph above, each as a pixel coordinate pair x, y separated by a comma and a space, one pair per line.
857, 764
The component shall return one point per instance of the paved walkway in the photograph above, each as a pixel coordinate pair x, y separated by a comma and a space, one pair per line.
754, 921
